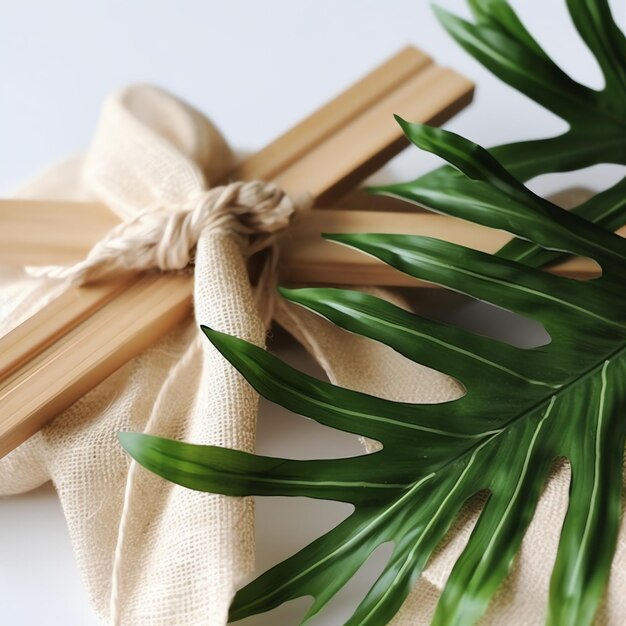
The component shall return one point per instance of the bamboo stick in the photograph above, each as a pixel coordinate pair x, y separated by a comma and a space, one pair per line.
305, 256
60, 374
35, 232
367, 142
46, 375
312, 131
64, 313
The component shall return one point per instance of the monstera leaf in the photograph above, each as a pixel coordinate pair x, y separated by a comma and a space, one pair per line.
523, 408
597, 119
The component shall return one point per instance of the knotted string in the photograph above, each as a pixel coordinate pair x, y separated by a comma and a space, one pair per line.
164, 238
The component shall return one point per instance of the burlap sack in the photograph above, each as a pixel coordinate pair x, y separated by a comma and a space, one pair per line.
182, 553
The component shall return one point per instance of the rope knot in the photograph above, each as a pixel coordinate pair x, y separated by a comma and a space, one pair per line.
165, 238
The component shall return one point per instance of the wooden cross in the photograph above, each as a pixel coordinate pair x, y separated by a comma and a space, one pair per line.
83, 336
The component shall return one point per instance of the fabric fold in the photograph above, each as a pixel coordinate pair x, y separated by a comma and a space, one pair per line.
181, 553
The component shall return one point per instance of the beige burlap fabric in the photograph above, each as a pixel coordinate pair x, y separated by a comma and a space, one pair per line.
181, 553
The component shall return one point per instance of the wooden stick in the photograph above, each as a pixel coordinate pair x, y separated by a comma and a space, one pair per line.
269, 162
56, 377
64, 313
35, 232
47, 375
366, 143
305, 256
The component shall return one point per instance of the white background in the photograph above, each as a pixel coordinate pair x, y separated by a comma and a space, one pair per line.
255, 68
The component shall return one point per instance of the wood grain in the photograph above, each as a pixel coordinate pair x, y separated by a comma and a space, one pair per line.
307, 258
64, 371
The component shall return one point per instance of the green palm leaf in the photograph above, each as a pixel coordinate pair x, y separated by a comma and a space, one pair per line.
523, 408
597, 119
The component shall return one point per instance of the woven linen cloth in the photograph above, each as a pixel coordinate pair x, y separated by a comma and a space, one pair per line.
185, 552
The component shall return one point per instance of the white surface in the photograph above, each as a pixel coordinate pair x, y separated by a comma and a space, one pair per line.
256, 68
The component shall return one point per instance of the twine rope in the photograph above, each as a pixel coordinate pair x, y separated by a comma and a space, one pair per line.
164, 238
